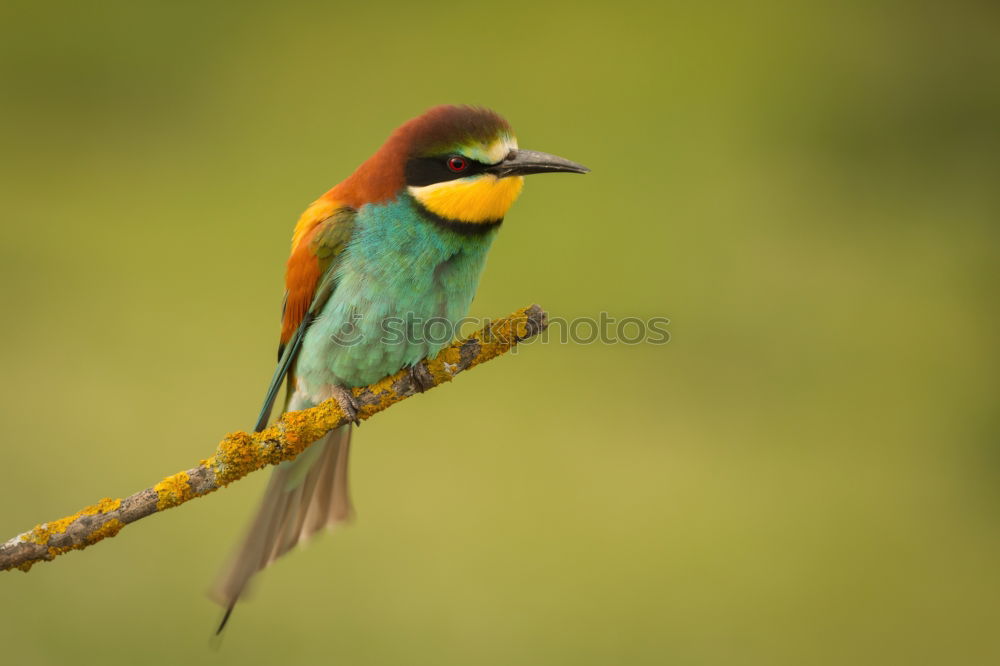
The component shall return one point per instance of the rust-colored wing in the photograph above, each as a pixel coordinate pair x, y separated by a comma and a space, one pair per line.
320, 238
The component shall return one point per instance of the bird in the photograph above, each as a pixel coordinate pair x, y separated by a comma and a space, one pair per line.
402, 240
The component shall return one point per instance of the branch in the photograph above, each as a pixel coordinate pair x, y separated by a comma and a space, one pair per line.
241, 453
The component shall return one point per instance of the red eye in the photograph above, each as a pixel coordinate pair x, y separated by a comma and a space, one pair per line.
457, 164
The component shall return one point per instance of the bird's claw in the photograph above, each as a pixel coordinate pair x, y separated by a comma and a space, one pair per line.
348, 403
421, 378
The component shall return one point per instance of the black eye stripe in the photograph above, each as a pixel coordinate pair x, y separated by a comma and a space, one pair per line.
422, 171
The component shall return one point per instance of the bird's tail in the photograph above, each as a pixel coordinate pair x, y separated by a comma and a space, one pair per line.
303, 496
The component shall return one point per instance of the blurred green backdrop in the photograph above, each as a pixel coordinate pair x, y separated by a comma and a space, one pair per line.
806, 474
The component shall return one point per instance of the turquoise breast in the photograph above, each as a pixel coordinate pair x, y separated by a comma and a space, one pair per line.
404, 285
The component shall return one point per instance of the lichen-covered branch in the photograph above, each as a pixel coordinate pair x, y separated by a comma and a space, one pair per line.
241, 452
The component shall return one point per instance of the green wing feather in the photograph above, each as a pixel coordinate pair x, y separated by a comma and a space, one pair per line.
327, 244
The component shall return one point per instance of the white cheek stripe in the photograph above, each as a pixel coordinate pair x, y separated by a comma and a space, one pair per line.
419, 193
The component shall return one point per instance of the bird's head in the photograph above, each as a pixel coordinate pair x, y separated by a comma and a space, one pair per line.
461, 164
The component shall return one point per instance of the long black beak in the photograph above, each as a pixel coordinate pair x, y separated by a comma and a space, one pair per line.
524, 162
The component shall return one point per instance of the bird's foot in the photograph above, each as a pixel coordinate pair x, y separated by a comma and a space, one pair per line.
421, 377
347, 402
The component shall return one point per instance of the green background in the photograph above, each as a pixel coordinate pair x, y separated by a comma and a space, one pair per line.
806, 474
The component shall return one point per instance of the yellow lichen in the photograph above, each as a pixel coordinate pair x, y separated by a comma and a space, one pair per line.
173, 490
302, 428
241, 453
105, 531
235, 457
41, 534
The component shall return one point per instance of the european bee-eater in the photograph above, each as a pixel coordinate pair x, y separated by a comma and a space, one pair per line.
403, 239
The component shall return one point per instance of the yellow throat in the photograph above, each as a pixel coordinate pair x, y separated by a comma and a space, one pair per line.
479, 199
